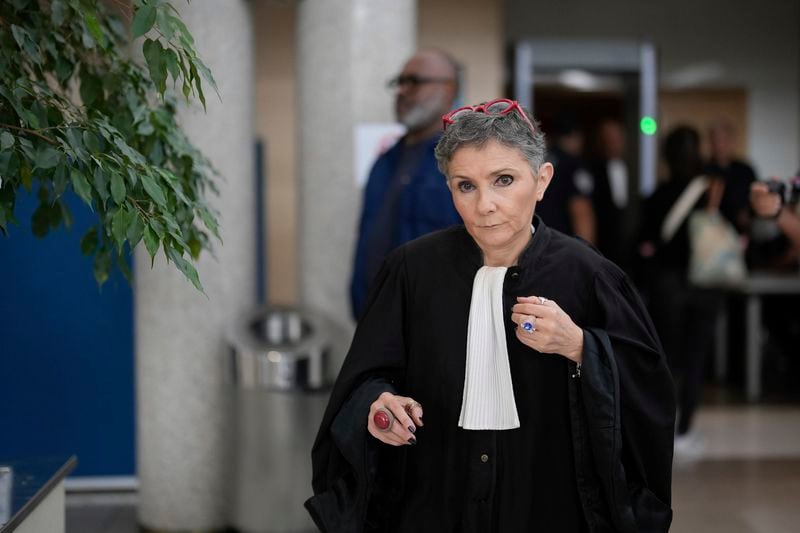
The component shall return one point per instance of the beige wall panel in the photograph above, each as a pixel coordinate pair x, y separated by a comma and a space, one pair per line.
276, 89
472, 31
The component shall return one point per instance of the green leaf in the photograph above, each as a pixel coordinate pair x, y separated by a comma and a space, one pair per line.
94, 28
6, 140
40, 221
102, 266
20, 35
57, 12
151, 243
91, 89
158, 69
117, 188
164, 24
65, 215
122, 263
158, 228
195, 247
60, 180
153, 189
187, 268
75, 139
26, 175
171, 59
135, 230
198, 84
91, 141
206, 72
100, 179
186, 37
209, 221
89, 242
47, 158
143, 20
5, 160
81, 186
119, 227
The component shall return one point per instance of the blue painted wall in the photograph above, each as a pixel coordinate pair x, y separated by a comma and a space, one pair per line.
66, 350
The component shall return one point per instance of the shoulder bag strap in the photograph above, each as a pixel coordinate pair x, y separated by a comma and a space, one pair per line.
682, 207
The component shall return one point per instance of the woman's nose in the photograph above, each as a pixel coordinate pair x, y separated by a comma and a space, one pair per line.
486, 203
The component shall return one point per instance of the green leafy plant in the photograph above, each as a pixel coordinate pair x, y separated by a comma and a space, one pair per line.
78, 112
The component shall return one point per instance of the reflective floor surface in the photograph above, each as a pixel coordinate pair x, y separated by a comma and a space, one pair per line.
746, 479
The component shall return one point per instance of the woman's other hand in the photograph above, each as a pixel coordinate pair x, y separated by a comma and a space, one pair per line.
405, 418
550, 329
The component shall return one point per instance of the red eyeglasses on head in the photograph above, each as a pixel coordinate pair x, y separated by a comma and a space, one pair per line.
500, 106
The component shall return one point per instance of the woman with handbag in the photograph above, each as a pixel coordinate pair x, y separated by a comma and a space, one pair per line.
683, 312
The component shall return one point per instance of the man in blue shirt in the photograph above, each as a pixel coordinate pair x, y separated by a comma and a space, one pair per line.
406, 196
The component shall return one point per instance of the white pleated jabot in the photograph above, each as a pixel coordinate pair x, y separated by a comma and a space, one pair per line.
488, 401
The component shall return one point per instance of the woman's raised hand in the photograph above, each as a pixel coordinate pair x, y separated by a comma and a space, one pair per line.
545, 327
398, 418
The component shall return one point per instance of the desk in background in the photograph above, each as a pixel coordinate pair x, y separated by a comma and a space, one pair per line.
32, 494
753, 288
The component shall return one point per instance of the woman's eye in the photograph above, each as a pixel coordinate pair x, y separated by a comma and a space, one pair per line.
505, 180
465, 186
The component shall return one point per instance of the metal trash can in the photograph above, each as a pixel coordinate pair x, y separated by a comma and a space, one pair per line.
278, 367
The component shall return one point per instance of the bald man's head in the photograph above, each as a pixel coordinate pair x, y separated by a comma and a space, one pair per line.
426, 89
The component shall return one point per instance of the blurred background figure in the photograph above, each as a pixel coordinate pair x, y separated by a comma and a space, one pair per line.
568, 204
683, 314
736, 174
406, 196
768, 202
612, 176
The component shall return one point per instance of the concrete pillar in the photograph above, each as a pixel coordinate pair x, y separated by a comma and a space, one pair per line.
182, 414
347, 50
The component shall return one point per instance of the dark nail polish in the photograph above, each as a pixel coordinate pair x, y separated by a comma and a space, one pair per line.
412, 440
412, 429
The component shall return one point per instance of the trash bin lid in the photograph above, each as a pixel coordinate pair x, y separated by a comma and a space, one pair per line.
282, 348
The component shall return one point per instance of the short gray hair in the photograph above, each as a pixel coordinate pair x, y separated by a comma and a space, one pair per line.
476, 129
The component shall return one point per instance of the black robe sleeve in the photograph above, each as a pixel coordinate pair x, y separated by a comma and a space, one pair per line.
629, 399
344, 455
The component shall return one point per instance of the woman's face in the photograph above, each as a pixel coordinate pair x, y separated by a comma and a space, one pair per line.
495, 192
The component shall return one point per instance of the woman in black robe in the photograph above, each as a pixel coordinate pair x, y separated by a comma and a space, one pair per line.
581, 437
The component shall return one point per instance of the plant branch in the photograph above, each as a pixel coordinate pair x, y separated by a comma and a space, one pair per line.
30, 132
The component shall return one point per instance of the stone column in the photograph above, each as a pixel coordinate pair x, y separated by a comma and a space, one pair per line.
182, 414
347, 50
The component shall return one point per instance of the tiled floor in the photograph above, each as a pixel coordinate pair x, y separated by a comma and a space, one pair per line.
747, 479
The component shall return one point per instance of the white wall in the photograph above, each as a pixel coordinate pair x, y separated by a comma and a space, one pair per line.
754, 44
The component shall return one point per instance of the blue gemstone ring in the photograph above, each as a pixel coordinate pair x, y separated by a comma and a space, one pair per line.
528, 326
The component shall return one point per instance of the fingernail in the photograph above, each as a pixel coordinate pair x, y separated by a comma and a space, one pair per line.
412, 440
412, 429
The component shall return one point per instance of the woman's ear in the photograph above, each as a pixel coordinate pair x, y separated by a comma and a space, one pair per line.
543, 180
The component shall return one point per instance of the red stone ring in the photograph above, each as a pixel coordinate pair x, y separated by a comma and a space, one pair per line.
383, 419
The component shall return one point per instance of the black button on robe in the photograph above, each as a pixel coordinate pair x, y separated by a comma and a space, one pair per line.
592, 453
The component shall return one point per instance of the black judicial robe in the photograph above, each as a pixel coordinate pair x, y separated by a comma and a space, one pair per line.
594, 449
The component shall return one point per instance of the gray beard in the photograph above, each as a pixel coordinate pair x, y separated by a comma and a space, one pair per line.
422, 115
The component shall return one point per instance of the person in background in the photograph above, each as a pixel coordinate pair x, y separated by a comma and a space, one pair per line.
770, 205
683, 314
736, 174
612, 176
568, 205
406, 196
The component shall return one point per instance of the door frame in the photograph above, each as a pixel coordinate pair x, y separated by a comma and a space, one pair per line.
599, 56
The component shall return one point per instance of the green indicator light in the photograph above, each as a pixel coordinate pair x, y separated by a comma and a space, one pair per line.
648, 125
